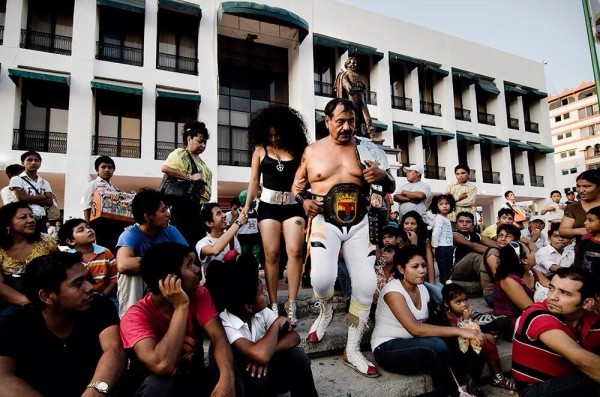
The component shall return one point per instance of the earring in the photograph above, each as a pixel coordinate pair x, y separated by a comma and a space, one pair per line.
8, 230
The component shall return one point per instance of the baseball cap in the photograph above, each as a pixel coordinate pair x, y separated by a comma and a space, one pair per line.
415, 167
392, 228
537, 218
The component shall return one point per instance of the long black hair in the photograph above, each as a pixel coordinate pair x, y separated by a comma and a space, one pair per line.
510, 262
421, 229
287, 122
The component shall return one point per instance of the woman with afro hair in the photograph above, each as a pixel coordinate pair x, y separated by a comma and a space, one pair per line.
278, 136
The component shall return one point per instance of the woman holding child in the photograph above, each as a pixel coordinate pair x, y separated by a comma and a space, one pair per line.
402, 341
278, 136
20, 243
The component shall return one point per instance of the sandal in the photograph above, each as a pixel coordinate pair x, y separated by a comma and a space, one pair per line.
499, 380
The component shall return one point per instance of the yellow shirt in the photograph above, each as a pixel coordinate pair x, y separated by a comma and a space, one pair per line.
179, 160
12, 266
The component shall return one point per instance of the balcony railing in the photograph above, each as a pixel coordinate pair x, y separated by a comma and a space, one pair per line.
486, 118
372, 99
162, 149
462, 114
400, 172
1, 34
513, 123
491, 177
177, 63
433, 172
324, 89
537, 180
41, 141
473, 176
39, 41
532, 127
120, 54
117, 147
402, 103
518, 179
431, 108
235, 157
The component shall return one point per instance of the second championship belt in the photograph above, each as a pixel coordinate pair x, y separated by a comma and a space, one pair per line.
367, 150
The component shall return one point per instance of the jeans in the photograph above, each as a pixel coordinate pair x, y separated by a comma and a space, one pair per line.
411, 356
444, 258
576, 384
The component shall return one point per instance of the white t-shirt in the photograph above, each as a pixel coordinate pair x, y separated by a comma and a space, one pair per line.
420, 207
235, 328
209, 240
97, 185
40, 184
8, 196
547, 256
387, 326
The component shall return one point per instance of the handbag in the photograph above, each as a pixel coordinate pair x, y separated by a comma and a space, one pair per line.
52, 211
178, 190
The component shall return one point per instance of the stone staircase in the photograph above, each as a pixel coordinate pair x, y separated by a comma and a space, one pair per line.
334, 379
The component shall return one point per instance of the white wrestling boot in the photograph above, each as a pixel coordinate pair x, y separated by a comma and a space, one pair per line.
353, 357
317, 329
290, 308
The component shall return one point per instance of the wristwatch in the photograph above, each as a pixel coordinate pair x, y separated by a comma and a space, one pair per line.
99, 385
237, 222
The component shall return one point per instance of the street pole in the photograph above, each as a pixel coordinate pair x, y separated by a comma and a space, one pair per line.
592, 44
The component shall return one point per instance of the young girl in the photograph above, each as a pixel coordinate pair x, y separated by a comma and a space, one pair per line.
441, 237
590, 242
457, 309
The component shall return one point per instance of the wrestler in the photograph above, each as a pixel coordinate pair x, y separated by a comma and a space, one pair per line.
338, 205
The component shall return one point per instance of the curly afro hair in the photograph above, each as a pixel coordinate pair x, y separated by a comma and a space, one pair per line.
287, 122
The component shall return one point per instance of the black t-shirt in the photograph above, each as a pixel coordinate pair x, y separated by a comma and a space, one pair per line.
462, 250
56, 367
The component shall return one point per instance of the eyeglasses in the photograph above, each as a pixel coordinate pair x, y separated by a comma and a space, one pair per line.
517, 247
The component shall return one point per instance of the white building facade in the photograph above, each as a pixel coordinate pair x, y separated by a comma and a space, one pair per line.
119, 77
575, 125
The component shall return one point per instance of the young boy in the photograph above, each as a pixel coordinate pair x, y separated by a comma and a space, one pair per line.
590, 242
79, 237
554, 210
267, 358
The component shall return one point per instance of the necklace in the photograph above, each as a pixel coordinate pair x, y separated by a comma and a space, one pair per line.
279, 166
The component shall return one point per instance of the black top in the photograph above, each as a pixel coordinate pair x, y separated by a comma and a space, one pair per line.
462, 250
278, 180
56, 367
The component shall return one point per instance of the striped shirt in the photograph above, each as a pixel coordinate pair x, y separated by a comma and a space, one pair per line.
102, 267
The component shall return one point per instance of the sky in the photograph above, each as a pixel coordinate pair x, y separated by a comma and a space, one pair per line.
542, 30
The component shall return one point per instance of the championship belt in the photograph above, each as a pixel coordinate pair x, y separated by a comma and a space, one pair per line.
367, 150
343, 205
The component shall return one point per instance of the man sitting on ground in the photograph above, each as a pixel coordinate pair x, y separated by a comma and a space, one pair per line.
67, 343
554, 255
555, 341
532, 235
164, 330
152, 227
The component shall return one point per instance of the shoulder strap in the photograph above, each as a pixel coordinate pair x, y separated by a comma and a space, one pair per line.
194, 167
31, 184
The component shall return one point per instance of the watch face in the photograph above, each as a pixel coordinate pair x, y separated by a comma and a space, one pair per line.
102, 387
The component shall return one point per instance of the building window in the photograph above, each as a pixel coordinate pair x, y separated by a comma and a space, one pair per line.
398, 74
177, 42
555, 105
171, 115
121, 37
324, 70
563, 155
252, 76
49, 27
557, 118
118, 124
588, 111
566, 116
44, 117
571, 153
560, 137
573, 170
586, 94
565, 171
567, 100
568, 134
594, 166
2, 19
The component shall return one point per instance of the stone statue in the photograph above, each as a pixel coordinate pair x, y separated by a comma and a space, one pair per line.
349, 84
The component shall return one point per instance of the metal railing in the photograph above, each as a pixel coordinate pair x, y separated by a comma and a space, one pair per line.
46, 42
235, 157
434, 172
162, 149
1, 34
324, 89
41, 141
518, 179
400, 171
473, 176
431, 108
491, 177
120, 54
117, 147
513, 123
177, 63
402, 103
537, 180
532, 127
486, 118
372, 99
462, 114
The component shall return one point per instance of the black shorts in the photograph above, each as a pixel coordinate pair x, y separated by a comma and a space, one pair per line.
279, 212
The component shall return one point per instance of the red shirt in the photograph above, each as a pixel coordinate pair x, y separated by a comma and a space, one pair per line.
533, 361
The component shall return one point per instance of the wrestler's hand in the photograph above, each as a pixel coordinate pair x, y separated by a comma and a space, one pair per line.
312, 208
373, 173
300, 184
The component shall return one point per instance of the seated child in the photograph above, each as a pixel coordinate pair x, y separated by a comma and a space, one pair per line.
384, 273
267, 358
590, 242
457, 309
78, 236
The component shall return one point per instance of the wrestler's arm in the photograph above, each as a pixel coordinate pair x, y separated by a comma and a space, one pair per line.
374, 174
301, 177
311, 207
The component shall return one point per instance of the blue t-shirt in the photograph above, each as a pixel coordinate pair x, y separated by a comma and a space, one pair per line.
131, 287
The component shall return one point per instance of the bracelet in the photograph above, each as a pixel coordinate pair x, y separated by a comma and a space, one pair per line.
237, 222
300, 197
189, 177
